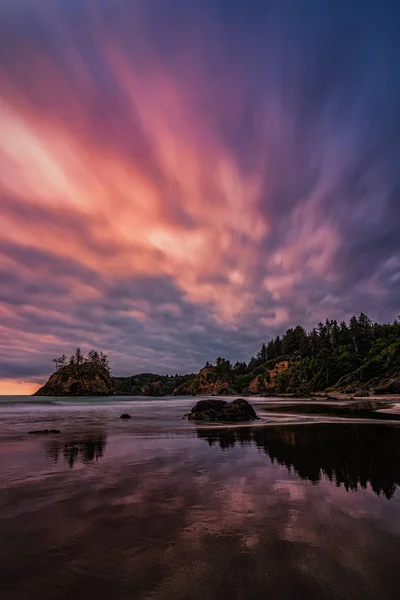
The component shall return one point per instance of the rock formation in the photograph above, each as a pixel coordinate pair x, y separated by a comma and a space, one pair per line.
79, 380
220, 410
206, 382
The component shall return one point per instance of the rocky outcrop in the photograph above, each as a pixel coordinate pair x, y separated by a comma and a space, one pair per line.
82, 380
125, 416
220, 410
392, 387
264, 382
206, 382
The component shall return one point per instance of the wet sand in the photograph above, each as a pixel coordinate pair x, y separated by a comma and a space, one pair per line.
294, 506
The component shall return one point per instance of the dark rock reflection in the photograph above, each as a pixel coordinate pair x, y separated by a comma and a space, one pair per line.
83, 449
350, 455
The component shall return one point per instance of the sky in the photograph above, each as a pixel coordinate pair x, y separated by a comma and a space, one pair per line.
184, 179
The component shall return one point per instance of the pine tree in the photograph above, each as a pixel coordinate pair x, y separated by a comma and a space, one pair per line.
262, 355
271, 350
78, 356
94, 357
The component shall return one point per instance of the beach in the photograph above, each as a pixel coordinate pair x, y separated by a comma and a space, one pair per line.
157, 507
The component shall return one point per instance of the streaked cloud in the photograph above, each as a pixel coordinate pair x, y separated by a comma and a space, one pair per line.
175, 186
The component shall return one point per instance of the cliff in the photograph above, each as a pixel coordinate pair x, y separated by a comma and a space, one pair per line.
79, 380
206, 383
264, 382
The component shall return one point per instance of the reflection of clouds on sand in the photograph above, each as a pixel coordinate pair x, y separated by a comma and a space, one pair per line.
175, 518
294, 489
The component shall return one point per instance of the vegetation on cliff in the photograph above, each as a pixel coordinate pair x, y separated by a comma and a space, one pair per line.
150, 384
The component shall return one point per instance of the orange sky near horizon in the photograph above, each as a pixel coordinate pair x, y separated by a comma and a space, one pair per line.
12, 387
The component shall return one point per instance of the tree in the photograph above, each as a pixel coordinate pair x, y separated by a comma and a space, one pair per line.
314, 341
78, 356
365, 334
253, 363
104, 361
240, 368
223, 367
93, 357
301, 341
344, 336
59, 362
271, 350
354, 332
278, 345
262, 355
335, 334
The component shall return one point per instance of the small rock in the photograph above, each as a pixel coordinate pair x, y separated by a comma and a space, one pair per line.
125, 416
44, 431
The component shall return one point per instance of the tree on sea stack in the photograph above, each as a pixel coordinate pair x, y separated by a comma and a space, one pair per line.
78, 356
60, 362
104, 361
78, 359
94, 357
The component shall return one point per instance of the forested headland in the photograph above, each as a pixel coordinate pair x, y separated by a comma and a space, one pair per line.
358, 357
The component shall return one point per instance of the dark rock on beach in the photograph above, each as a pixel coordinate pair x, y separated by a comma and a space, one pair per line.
44, 431
220, 410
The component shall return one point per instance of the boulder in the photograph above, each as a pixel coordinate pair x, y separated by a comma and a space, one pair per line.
220, 410
125, 416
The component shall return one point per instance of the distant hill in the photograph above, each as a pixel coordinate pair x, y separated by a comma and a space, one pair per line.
149, 384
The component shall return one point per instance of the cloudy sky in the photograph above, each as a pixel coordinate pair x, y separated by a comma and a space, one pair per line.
182, 179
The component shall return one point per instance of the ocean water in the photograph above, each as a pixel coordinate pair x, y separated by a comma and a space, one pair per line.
294, 506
